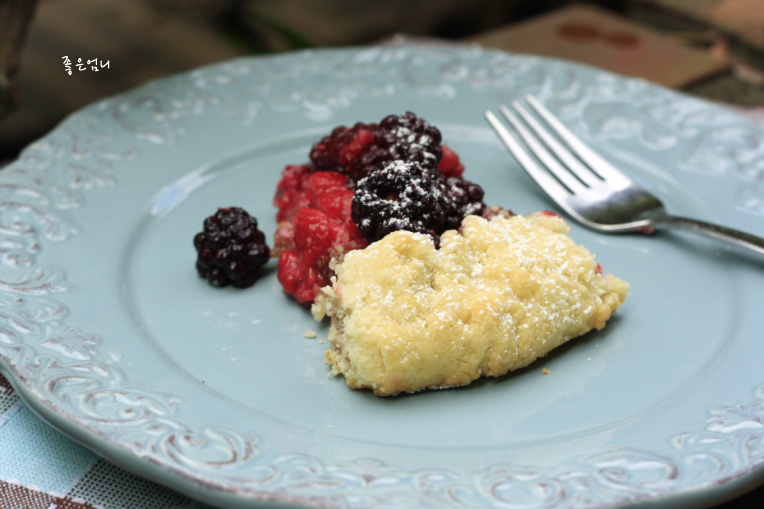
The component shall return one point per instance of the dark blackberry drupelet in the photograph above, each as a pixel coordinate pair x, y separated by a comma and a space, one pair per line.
401, 196
465, 198
230, 249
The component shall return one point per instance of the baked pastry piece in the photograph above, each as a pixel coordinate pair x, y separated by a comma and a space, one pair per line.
494, 297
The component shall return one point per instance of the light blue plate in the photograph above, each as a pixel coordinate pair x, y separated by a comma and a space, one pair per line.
108, 333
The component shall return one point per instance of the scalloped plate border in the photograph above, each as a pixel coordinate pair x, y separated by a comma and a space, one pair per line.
64, 375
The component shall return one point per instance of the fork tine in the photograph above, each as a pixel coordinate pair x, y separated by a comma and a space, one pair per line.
603, 168
563, 154
548, 183
564, 176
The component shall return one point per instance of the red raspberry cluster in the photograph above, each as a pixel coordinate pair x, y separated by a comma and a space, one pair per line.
314, 225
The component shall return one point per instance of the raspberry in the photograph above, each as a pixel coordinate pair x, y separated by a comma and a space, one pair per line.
329, 192
450, 165
304, 269
300, 188
291, 192
230, 249
401, 196
319, 229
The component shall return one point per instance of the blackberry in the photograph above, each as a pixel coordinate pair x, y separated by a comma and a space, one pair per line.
401, 196
465, 199
230, 249
399, 138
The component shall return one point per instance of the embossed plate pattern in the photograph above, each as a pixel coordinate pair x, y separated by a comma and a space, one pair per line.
107, 332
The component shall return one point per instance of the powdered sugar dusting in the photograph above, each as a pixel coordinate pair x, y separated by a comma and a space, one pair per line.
400, 196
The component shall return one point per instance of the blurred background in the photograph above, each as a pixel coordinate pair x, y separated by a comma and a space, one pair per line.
59, 55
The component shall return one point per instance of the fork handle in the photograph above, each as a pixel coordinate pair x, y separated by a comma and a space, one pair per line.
736, 237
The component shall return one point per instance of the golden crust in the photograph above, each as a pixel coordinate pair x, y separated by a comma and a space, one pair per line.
492, 299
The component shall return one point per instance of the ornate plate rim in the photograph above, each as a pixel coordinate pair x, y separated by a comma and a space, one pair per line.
52, 364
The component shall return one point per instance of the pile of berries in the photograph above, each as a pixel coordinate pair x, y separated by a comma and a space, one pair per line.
230, 249
362, 183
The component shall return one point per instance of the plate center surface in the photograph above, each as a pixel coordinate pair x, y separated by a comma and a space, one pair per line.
248, 347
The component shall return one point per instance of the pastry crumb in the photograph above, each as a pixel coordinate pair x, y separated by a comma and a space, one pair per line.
545, 371
310, 333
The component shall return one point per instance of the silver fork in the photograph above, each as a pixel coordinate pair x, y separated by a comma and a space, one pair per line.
586, 186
